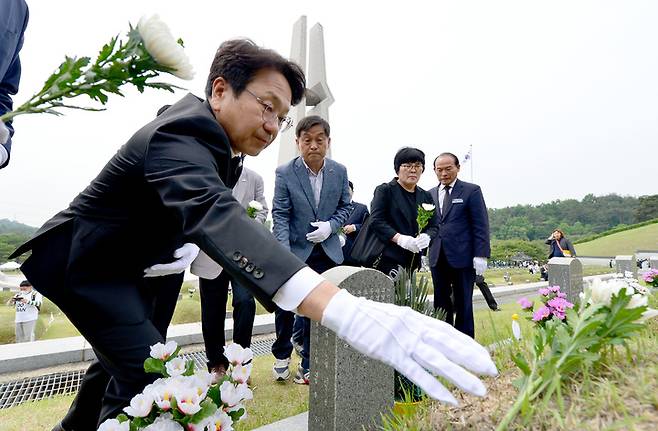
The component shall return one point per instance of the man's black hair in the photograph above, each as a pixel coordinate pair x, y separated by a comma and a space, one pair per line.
454, 158
312, 120
238, 61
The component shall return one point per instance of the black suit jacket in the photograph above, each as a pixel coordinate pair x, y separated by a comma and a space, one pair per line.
464, 227
358, 215
170, 183
391, 214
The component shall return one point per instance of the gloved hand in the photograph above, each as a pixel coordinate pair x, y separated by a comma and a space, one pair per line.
422, 241
204, 267
414, 344
184, 257
321, 233
408, 243
480, 265
341, 239
4, 133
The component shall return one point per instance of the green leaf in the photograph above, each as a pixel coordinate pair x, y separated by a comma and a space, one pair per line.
189, 368
236, 414
208, 408
214, 394
520, 362
152, 365
122, 418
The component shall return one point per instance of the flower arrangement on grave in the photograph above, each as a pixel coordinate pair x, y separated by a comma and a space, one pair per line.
651, 277
570, 338
149, 50
185, 398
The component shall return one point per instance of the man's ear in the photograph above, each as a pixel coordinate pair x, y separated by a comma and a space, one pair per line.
328, 142
220, 90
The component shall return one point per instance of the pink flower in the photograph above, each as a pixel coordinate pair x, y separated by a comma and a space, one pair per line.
555, 289
542, 313
559, 304
561, 295
525, 303
544, 291
560, 315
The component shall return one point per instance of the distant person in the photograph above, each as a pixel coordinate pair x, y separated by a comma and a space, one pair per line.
461, 249
352, 227
394, 211
560, 245
13, 21
28, 303
543, 272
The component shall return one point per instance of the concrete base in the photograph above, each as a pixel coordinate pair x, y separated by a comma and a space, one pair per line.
293, 423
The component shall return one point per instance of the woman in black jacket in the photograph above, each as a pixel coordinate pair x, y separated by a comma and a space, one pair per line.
394, 211
560, 245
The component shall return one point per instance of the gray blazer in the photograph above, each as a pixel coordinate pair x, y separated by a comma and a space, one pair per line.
293, 207
250, 188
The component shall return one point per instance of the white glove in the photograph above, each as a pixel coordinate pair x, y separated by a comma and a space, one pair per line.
408, 243
4, 133
322, 232
204, 267
480, 265
411, 343
422, 241
341, 239
184, 257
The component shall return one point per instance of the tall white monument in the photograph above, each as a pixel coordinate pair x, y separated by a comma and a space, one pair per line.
318, 96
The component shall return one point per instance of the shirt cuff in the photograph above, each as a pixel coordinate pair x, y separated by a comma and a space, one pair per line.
297, 288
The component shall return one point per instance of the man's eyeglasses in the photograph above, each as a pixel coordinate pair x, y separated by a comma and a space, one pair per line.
410, 166
269, 115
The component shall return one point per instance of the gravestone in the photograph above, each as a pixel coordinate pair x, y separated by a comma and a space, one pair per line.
626, 263
566, 272
653, 262
348, 390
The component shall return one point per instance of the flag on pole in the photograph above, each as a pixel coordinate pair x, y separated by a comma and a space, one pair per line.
468, 155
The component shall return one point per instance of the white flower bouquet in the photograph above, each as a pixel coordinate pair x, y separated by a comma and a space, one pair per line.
253, 208
185, 399
149, 51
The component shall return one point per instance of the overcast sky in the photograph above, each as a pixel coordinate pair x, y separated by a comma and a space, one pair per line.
558, 99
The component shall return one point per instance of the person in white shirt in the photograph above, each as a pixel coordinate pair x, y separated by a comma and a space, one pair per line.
28, 303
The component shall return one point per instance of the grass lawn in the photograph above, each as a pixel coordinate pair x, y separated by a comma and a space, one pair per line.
627, 242
53, 323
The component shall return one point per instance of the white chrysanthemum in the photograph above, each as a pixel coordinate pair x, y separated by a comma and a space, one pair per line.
162, 46
140, 406
236, 355
241, 373
256, 205
188, 401
244, 392
229, 393
176, 366
163, 351
114, 425
164, 422
428, 207
220, 421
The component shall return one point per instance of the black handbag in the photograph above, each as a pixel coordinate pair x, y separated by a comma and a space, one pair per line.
367, 246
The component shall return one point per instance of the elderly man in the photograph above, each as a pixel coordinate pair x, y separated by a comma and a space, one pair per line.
171, 184
311, 203
460, 251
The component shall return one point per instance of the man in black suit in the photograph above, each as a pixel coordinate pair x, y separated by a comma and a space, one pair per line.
461, 249
170, 184
352, 227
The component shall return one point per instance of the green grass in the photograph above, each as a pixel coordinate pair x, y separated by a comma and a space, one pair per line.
53, 323
272, 402
627, 242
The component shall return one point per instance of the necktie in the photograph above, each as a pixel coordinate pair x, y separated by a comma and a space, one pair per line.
446, 200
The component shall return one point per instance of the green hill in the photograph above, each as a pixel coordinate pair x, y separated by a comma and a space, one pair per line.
626, 242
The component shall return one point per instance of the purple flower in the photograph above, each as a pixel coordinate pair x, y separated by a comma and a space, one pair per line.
542, 313
559, 304
560, 315
525, 303
544, 291
555, 289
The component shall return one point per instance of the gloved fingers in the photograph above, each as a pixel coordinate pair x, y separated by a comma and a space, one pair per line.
164, 269
315, 223
461, 350
426, 382
430, 358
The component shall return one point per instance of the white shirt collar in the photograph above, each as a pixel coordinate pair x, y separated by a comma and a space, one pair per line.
452, 185
310, 171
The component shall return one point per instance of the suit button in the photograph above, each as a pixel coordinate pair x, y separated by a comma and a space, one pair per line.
250, 267
243, 262
237, 256
258, 273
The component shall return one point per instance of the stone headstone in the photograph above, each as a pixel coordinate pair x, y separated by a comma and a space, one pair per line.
349, 390
626, 263
566, 272
653, 262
